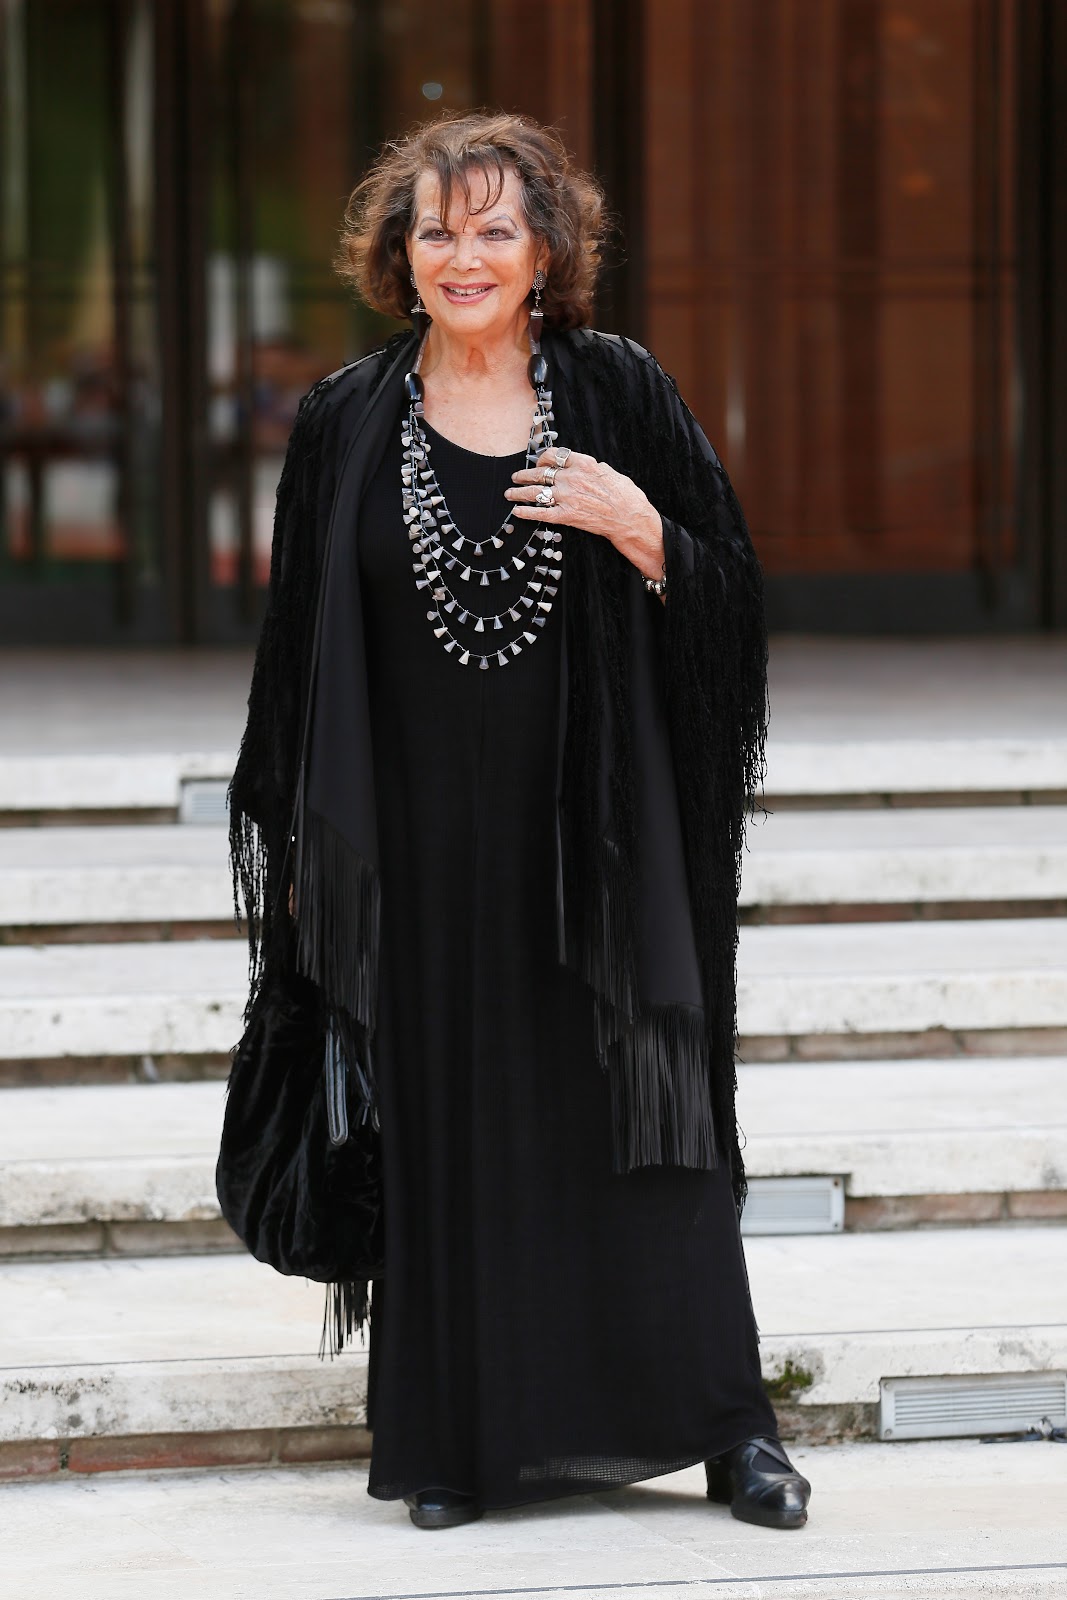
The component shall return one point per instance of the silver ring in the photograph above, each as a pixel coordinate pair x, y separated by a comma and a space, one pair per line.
548, 475
545, 498
561, 452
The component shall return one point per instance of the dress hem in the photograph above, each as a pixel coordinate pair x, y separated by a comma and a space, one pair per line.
562, 1491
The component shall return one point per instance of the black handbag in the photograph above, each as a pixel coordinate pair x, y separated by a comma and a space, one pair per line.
299, 1168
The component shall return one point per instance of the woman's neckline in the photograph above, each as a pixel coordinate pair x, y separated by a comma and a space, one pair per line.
479, 455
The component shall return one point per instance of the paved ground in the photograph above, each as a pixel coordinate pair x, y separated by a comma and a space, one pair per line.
71, 702
946, 1520
827, 689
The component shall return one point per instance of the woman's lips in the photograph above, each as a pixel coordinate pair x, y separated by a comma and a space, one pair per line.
467, 296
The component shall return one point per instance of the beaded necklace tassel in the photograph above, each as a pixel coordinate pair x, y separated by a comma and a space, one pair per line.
437, 542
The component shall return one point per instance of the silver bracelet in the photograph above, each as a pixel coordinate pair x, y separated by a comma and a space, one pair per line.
656, 586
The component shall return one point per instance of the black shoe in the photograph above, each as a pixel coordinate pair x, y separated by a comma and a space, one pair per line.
748, 1480
442, 1508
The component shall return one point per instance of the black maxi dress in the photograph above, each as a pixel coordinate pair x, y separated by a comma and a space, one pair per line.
545, 1326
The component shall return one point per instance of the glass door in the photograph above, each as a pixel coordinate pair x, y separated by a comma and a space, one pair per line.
80, 552
174, 174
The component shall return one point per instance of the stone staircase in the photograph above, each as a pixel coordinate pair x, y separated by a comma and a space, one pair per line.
903, 1020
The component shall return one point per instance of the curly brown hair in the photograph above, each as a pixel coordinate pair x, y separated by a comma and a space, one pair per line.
564, 207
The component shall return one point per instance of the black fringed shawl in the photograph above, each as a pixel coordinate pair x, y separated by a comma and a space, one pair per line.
662, 727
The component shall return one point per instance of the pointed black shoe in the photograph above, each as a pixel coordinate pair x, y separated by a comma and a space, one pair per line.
771, 1498
442, 1508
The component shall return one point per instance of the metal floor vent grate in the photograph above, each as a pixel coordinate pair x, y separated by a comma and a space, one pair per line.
203, 800
954, 1408
794, 1205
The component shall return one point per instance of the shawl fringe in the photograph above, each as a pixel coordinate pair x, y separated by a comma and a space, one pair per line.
248, 868
347, 1310
713, 646
661, 1113
338, 905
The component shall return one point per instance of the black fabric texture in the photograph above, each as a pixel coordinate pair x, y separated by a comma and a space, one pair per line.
501, 1197
662, 714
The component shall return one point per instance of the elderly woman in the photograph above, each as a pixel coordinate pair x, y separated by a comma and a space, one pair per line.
506, 716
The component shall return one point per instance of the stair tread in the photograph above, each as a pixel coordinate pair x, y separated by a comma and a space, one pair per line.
167, 873
187, 995
148, 1151
93, 850
153, 1309
111, 1122
1037, 944
961, 829
216, 967
962, 1095
230, 1306
104, 875
104, 780
1016, 829
853, 1099
130, 1346
908, 977
853, 764
899, 948
823, 762
936, 1279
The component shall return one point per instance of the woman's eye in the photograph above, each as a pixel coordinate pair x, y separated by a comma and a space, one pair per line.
431, 235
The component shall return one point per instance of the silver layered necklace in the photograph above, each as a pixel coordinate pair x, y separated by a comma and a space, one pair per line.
449, 569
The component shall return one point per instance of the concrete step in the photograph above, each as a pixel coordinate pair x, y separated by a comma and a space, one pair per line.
173, 1345
180, 1346
903, 717
960, 1126
851, 1309
85, 875
884, 978
889, 766
122, 999
850, 980
943, 854
103, 1153
989, 1131
964, 1140
881, 768
120, 780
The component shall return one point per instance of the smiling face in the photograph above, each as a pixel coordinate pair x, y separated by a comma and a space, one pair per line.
473, 267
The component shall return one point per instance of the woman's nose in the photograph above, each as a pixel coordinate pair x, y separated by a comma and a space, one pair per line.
465, 253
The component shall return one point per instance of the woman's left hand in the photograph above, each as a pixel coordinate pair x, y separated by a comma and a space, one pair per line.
591, 495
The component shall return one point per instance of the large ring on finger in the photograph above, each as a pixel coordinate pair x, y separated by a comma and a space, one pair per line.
548, 475
545, 498
561, 452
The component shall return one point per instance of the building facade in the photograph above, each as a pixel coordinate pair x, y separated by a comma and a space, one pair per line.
843, 228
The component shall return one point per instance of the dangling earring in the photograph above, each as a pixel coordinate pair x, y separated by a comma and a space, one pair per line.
419, 317
537, 365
